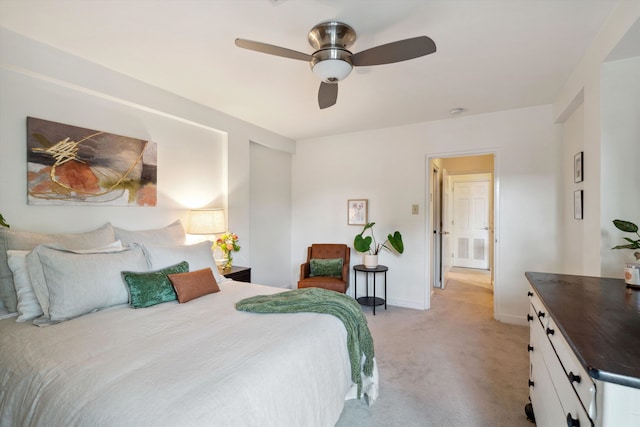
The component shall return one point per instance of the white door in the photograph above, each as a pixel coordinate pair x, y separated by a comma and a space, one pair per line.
471, 204
447, 253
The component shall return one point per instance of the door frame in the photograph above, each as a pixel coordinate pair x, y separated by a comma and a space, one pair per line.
495, 243
435, 238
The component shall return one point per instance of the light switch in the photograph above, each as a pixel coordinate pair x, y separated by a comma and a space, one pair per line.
414, 209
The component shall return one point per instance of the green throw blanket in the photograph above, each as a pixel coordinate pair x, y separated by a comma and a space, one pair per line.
317, 300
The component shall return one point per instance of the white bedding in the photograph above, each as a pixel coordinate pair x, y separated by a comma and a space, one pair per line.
196, 364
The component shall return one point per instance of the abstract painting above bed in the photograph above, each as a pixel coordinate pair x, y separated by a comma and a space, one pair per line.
73, 165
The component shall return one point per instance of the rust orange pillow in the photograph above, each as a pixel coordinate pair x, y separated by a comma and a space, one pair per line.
194, 284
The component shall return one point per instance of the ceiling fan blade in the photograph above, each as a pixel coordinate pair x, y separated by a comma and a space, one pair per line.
401, 50
327, 95
272, 50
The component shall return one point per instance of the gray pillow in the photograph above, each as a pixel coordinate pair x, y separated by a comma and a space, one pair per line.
69, 284
11, 239
199, 256
172, 234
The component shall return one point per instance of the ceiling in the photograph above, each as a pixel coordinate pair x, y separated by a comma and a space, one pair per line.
491, 55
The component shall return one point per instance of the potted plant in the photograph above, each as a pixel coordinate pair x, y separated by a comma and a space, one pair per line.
632, 270
371, 248
3, 222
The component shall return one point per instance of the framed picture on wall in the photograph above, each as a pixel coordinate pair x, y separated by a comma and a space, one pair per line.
577, 204
70, 165
357, 211
578, 167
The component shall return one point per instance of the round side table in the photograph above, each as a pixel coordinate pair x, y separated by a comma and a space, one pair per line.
371, 301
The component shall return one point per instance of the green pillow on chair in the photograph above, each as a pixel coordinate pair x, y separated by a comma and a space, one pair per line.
331, 267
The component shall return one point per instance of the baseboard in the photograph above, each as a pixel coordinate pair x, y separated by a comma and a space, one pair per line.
405, 303
512, 319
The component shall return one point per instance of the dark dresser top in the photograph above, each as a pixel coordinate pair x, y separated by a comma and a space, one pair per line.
600, 320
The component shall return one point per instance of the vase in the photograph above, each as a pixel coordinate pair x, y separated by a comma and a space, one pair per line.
370, 261
228, 263
632, 275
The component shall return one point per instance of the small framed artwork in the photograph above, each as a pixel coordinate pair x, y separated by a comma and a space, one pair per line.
357, 210
578, 167
577, 204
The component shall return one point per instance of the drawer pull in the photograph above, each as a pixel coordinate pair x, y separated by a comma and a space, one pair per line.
550, 331
529, 347
574, 378
572, 422
529, 294
540, 314
530, 383
529, 317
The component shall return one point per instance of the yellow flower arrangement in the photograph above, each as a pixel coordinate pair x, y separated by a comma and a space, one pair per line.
228, 243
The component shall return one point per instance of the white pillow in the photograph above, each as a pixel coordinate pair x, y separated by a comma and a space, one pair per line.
172, 234
11, 239
199, 256
28, 306
68, 284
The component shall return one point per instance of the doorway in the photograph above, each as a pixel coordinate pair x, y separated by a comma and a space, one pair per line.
461, 224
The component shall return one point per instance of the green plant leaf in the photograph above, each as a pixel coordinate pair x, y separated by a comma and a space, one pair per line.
629, 246
362, 244
627, 226
2, 222
396, 241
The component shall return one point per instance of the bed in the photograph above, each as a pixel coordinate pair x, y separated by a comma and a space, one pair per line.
199, 363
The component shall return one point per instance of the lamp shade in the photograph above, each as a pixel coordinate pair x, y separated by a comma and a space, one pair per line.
332, 70
206, 221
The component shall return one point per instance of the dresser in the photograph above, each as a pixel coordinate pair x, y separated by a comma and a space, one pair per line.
584, 351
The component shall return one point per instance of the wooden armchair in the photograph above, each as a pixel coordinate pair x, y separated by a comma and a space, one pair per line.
324, 251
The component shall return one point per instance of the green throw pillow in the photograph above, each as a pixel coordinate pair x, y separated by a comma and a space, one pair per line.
152, 287
331, 267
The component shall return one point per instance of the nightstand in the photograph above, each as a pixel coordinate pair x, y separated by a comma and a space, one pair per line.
367, 300
239, 274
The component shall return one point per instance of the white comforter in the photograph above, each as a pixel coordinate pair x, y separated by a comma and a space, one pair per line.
196, 364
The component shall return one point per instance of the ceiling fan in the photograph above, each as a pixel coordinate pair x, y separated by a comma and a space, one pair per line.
332, 61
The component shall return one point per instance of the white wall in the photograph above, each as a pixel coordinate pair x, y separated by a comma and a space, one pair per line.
619, 36
620, 159
573, 229
468, 164
203, 154
188, 156
388, 167
270, 185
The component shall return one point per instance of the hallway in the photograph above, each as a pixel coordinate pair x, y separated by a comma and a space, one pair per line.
471, 276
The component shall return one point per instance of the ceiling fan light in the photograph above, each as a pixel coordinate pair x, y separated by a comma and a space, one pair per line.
332, 70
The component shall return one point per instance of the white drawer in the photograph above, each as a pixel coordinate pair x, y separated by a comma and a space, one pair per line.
569, 401
546, 404
539, 311
583, 384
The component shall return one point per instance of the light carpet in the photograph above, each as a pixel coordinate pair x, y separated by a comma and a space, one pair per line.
453, 365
